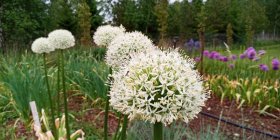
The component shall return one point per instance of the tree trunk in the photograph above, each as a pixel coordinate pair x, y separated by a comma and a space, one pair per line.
202, 44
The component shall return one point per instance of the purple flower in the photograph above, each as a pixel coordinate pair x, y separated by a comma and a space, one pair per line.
225, 59
275, 64
213, 55
233, 57
231, 66
191, 43
251, 53
242, 56
206, 53
262, 52
249, 49
263, 67
216, 55
221, 58
197, 44
197, 59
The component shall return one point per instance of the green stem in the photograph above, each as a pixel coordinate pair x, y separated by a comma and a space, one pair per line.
65, 97
123, 133
50, 98
106, 118
106, 113
158, 134
58, 87
118, 127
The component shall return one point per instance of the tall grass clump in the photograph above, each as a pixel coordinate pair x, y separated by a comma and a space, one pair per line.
87, 74
25, 80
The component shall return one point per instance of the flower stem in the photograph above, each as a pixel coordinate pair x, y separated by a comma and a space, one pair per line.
65, 97
107, 112
58, 86
123, 133
106, 118
158, 134
118, 127
50, 98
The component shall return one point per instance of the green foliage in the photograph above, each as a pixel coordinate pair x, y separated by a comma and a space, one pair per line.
21, 22
87, 75
84, 16
23, 80
26, 82
6, 105
136, 15
61, 15
162, 18
229, 35
96, 18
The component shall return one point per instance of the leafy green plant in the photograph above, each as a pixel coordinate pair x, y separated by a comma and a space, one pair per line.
264, 93
88, 75
25, 80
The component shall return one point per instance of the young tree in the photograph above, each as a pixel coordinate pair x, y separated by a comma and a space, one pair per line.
229, 34
84, 22
162, 18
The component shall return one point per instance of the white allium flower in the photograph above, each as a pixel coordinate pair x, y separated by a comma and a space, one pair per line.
158, 87
105, 34
61, 39
123, 47
41, 45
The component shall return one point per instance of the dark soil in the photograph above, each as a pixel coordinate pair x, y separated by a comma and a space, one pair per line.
228, 110
246, 116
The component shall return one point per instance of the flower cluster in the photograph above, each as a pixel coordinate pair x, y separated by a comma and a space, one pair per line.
104, 35
61, 39
192, 44
158, 86
217, 56
57, 39
41, 45
252, 54
123, 47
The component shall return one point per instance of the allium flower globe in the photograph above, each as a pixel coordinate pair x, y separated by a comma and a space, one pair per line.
61, 39
123, 47
104, 35
158, 87
41, 45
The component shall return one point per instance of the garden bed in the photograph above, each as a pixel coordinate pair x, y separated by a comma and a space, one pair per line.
228, 110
